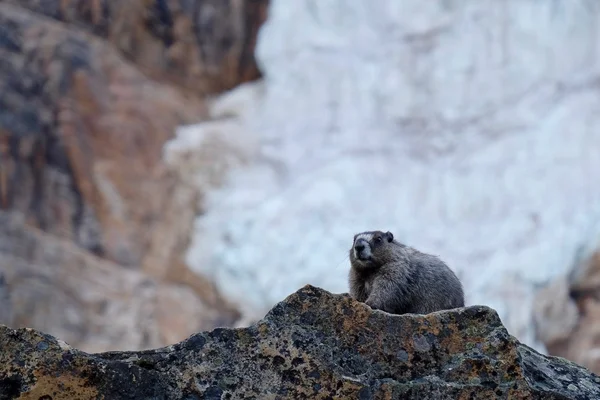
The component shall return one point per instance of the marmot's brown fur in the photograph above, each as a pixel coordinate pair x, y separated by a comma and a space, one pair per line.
398, 279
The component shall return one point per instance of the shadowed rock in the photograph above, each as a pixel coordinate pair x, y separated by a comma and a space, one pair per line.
312, 345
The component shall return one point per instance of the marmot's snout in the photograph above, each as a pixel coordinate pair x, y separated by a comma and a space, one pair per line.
362, 249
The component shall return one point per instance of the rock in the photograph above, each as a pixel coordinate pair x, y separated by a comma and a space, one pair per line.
312, 345
193, 149
65, 291
555, 314
82, 131
444, 122
5, 302
568, 312
201, 46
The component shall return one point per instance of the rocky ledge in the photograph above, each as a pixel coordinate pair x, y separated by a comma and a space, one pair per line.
313, 345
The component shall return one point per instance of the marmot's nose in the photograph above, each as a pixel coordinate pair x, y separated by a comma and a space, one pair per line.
359, 247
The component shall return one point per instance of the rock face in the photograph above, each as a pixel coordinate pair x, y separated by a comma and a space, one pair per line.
469, 129
83, 121
58, 287
202, 46
313, 345
567, 311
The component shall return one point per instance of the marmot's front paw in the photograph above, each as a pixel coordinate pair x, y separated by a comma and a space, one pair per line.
373, 304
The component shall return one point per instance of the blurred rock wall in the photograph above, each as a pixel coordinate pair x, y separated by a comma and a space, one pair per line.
468, 128
93, 223
567, 310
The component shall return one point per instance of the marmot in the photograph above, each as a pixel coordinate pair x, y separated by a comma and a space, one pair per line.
398, 279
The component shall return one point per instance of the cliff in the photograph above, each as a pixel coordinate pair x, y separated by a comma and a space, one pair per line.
93, 223
312, 345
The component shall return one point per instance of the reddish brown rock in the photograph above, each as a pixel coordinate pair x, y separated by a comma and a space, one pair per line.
82, 131
312, 345
567, 313
64, 290
206, 46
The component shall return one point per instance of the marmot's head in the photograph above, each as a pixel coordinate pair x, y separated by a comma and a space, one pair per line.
371, 249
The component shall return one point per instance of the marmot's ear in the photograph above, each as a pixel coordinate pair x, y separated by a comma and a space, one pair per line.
390, 236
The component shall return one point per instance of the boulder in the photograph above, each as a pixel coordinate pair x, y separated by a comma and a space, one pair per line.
312, 345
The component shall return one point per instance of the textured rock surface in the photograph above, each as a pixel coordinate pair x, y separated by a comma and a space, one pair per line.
82, 131
468, 128
312, 345
204, 46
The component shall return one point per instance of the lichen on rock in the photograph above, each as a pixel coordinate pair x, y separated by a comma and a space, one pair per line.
312, 345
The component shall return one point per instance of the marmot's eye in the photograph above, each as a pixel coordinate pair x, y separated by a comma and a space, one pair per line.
378, 239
